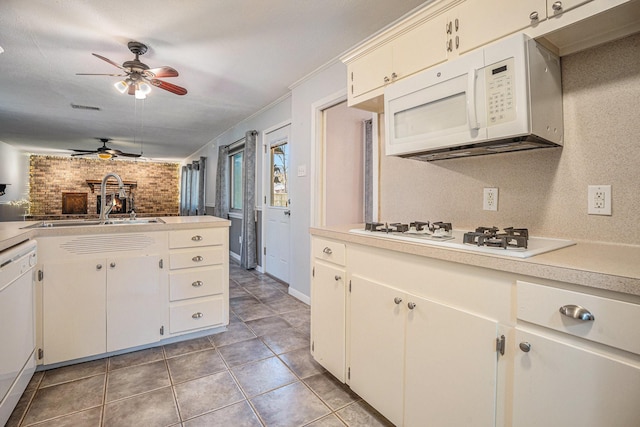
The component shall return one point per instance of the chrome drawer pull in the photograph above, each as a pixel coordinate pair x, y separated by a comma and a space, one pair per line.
397, 300
197, 315
197, 284
196, 238
576, 312
327, 250
411, 305
197, 258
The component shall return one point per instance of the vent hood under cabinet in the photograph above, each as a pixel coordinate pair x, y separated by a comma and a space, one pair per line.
504, 97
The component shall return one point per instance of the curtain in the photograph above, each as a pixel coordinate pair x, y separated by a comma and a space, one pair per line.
368, 170
221, 208
248, 253
192, 188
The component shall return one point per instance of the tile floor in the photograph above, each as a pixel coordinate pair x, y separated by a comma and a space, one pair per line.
257, 373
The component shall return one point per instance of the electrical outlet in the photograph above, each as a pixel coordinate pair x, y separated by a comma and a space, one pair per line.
490, 199
599, 200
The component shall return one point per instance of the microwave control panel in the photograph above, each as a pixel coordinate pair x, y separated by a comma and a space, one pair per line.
501, 103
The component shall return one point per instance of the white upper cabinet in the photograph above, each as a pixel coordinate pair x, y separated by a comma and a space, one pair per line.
556, 7
483, 21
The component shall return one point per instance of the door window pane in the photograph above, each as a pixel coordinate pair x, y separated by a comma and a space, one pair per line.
236, 180
279, 175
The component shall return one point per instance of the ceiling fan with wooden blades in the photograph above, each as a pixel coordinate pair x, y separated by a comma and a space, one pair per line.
138, 77
103, 152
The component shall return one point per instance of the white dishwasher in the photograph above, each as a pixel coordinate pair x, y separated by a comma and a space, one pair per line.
17, 324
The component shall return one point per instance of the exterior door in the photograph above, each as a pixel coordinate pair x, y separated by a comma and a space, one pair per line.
276, 209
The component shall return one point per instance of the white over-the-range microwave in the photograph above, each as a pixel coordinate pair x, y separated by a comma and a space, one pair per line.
504, 97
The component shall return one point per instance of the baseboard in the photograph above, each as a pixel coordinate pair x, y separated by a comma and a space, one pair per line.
299, 295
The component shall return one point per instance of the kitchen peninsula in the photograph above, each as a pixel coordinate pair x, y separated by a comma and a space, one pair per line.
111, 288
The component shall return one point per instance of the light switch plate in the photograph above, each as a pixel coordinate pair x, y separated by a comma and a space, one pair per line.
302, 170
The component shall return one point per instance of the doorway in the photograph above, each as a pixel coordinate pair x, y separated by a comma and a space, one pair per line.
348, 146
276, 210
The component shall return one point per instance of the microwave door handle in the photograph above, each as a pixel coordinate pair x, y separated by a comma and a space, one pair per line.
472, 114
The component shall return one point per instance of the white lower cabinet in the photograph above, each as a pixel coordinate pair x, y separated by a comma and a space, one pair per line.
93, 306
198, 279
560, 383
417, 360
74, 305
577, 368
328, 306
134, 302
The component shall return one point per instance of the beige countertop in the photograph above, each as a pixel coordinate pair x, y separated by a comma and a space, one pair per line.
12, 233
598, 265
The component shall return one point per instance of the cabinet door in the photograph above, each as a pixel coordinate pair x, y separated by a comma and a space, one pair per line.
556, 7
420, 48
369, 71
557, 383
74, 322
450, 371
377, 346
134, 305
483, 21
328, 318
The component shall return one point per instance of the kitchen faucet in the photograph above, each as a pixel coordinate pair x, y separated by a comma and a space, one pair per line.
104, 211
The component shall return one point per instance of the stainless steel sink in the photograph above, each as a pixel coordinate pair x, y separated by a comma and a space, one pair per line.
93, 222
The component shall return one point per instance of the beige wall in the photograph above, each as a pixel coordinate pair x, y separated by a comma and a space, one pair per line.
544, 190
156, 192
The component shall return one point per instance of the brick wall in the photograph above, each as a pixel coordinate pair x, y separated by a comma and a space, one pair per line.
156, 192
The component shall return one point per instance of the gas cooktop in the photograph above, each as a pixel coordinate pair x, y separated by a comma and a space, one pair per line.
510, 242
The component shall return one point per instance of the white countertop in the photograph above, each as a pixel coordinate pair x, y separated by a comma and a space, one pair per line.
13, 232
598, 265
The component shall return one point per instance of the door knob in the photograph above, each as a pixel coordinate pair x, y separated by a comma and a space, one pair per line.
525, 346
557, 6
112, 265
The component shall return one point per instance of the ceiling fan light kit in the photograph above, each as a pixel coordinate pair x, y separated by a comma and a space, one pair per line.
104, 152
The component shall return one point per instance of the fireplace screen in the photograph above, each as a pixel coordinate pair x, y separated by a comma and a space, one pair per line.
119, 205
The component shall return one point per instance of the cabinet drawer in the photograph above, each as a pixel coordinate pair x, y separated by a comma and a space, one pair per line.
196, 314
195, 282
329, 250
196, 257
195, 238
615, 322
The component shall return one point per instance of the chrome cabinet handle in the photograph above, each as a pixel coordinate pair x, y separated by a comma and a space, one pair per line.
534, 16
197, 258
557, 6
99, 267
525, 346
449, 46
112, 265
386, 79
576, 312
394, 76
196, 238
457, 42
197, 284
448, 27
327, 250
411, 305
397, 300
337, 277
197, 315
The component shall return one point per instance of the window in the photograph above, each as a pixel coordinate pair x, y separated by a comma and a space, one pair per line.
279, 174
235, 172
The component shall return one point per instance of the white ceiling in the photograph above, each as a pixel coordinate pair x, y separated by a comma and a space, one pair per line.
234, 57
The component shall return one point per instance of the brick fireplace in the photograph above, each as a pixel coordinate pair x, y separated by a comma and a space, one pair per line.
61, 187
